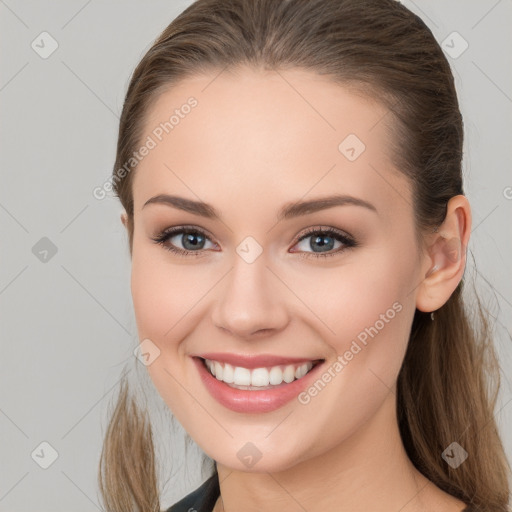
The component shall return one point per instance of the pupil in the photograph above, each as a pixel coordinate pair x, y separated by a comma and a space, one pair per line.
320, 240
191, 238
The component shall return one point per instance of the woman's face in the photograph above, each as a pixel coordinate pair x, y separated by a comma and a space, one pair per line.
255, 282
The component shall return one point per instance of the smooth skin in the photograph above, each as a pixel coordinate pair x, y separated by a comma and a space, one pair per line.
258, 140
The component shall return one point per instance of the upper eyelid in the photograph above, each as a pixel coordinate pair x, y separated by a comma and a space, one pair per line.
322, 229
176, 230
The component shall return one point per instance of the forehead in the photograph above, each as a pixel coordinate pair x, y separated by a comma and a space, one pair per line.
272, 134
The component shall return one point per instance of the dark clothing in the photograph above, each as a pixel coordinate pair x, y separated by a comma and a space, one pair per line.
204, 497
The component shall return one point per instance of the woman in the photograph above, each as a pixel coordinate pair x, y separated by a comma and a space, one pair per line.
291, 178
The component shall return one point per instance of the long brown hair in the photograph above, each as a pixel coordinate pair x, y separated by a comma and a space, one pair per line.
448, 384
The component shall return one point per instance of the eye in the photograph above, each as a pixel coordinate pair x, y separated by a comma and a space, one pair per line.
193, 241
324, 240
191, 238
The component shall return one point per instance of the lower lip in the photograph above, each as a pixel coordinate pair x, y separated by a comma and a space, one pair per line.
245, 401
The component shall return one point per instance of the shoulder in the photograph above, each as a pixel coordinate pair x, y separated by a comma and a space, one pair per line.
201, 499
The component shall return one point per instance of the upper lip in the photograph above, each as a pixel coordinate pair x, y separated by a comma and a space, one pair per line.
255, 361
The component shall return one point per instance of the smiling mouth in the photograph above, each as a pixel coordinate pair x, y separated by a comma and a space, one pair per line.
258, 378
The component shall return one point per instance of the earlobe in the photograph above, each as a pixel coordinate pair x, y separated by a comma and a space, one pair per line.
446, 256
124, 219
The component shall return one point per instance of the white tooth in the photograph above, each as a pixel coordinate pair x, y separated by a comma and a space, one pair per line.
227, 375
242, 376
218, 370
301, 371
275, 376
259, 377
289, 374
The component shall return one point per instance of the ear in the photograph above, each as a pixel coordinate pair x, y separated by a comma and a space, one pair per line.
445, 258
124, 219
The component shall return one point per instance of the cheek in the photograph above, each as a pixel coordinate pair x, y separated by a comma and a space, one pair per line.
163, 294
357, 295
151, 298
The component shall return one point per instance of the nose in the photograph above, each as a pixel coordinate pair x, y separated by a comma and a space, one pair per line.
251, 300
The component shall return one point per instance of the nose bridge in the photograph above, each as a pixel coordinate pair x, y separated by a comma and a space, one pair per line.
250, 299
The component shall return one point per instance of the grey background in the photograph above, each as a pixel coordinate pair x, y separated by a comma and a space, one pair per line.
67, 326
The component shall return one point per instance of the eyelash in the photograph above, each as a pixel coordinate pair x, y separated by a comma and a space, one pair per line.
348, 241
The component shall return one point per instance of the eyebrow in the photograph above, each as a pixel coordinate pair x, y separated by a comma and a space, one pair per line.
288, 211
